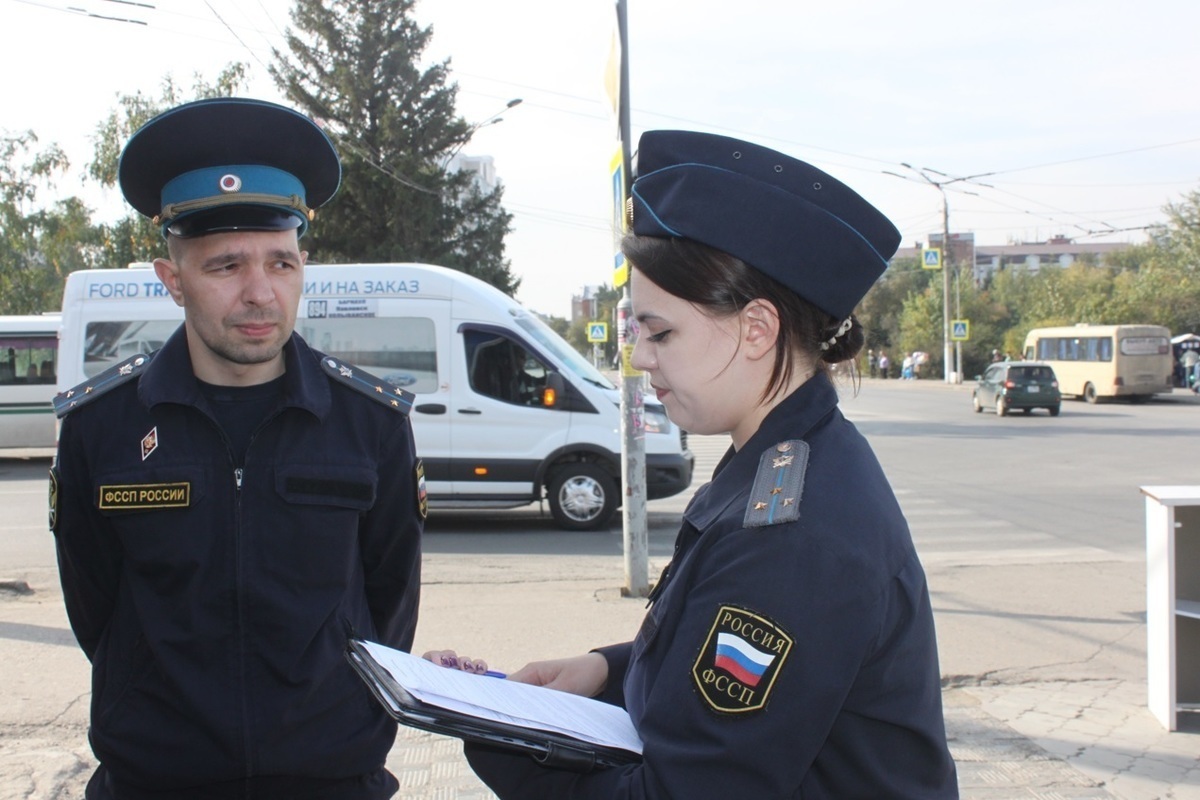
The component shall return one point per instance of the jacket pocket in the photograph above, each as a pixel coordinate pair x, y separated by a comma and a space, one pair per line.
327, 485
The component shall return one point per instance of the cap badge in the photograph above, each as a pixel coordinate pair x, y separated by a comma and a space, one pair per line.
230, 183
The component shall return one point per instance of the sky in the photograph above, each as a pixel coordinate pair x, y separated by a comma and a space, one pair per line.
1077, 118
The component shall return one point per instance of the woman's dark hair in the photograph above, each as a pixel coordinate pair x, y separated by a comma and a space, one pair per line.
723, 285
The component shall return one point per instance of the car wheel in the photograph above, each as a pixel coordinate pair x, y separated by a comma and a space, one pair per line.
1089, 394
975, 403
1001, 409
1027, 411
1054, 410
582, 496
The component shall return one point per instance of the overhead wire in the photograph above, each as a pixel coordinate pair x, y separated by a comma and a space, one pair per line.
603, 115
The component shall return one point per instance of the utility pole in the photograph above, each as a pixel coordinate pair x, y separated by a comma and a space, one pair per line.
952, 373
947, 356
635, 537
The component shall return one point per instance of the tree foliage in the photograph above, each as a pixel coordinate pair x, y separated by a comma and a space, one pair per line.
133, 237
39, 244
1156, 283
354, 67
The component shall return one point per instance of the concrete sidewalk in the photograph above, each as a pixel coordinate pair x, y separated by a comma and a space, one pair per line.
1060, 740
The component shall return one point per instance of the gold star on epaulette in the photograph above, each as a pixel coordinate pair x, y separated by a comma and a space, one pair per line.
88, 390
70, 392
759, 506
776, 490
346, 372
395, 404
787, 501
379, 389
126, 370
783, 461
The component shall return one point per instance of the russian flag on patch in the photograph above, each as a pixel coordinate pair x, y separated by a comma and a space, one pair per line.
741, 659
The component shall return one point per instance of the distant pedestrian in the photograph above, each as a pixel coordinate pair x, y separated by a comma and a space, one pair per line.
884, 363
996, 356
906, 368
872, 363
1188, 360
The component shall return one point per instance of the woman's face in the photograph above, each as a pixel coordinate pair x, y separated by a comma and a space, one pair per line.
696, 364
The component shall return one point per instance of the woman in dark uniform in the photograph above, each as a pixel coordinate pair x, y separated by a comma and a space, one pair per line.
789, 651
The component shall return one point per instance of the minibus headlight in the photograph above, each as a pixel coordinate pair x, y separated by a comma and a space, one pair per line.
657, 421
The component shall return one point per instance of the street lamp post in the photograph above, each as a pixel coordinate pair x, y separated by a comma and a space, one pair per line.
946, 259
492, 120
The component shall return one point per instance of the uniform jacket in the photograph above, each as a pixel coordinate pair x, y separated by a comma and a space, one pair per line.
215, 599
790, 650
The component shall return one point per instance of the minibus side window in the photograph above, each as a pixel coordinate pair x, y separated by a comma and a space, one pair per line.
27, 359
504, 370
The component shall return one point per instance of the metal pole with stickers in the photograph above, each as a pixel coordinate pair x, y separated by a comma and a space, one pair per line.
633, 431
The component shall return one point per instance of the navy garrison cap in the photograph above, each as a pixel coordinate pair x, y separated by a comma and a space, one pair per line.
229, 164
781, 216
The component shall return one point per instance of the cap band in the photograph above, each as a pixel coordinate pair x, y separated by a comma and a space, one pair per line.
239, 184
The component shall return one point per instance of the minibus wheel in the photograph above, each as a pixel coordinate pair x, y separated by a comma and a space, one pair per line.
582, 496
1089, 393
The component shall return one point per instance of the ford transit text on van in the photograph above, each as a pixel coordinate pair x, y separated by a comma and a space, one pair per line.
506, 412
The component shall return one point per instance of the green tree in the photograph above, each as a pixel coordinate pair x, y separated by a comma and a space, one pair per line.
134, 237
355, 68
1165, 288
921, 330
38, 245
880, 311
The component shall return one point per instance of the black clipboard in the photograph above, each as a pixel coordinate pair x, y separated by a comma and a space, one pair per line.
549, 748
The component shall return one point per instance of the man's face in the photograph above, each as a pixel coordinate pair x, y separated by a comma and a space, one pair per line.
239, 292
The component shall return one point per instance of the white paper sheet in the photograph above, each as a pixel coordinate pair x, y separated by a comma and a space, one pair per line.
507, 701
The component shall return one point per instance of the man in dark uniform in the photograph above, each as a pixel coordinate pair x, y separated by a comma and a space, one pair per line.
228, 510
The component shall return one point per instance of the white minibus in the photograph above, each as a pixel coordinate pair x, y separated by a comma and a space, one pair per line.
28, 366
488, 431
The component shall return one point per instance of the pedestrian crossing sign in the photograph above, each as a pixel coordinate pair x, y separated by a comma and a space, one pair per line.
960, 330
597, 332
931, 258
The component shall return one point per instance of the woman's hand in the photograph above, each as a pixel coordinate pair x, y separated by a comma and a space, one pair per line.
451, 660
584, 675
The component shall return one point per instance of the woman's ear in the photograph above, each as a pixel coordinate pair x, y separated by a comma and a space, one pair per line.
760, 328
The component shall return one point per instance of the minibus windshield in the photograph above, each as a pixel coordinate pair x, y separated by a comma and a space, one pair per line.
544, 335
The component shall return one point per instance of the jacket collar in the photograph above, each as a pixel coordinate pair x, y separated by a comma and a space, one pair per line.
169, 377
794, 418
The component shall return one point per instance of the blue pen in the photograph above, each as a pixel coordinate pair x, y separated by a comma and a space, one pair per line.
491, 673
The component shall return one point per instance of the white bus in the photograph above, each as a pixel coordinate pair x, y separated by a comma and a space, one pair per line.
28, 370
1097, 362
